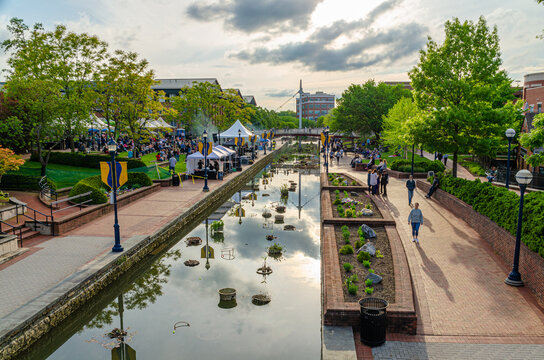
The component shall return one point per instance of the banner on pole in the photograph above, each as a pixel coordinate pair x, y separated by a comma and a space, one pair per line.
120, 172
209, 146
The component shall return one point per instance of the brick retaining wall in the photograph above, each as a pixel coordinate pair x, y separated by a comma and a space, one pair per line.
531, 265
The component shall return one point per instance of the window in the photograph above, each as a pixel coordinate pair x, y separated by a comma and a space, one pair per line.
532, 108
539, 108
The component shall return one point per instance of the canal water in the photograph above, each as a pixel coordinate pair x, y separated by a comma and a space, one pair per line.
170, 294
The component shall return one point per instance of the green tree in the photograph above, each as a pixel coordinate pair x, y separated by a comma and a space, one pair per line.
535, 140
396, 124
461, 86
361, 107
233, 108
200, 103
14, 134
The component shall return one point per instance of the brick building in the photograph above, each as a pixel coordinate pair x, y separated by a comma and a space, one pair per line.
315, 105
532, 96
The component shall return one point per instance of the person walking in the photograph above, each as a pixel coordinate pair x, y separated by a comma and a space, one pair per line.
415, 219
434, 186
374, 182
368, 180
172, 163
384, 182
410, 185
445, 159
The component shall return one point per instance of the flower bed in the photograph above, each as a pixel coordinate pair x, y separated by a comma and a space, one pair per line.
383, 266
342, 180
346, 205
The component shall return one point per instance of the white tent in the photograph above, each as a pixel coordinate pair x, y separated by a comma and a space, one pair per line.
229, 151
95, 123
232, 132
192, 161
164, 124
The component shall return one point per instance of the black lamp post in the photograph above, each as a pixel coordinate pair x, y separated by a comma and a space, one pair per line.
510, 133
205, 150
413, 150
239, 168
264, 140
253, 147
523, 177
327, 149
112, 147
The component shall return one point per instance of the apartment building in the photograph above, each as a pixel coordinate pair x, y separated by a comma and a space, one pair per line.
315, 105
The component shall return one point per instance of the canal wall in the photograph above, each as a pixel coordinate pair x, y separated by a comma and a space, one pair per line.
28, 332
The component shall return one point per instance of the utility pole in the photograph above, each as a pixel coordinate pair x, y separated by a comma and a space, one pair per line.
300, 92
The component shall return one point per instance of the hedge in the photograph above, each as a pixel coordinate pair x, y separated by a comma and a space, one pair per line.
23, 182
88, 161
501, 206
99, 189
405, 165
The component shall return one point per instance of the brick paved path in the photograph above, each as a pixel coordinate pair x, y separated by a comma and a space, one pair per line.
459, 287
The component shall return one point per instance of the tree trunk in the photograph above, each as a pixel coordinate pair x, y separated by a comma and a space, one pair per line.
72, 144
454, 172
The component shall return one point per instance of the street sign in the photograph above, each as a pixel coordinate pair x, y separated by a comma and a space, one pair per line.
207, 248
120, 171
201, 146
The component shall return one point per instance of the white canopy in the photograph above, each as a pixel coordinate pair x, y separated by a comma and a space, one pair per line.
229, 151
164, 124
96, 123
232, 132
192, 161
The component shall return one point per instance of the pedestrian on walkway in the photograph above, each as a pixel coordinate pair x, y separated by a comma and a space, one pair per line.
434, 186
410, 185
374, 182
172, 163
368, 180
384, 182
338, 157
415, 219
445, 159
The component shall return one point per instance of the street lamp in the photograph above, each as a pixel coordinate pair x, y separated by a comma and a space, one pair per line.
264, 140
205, 150
523, 177
327, 149
253, 147
112, 148
239, 168
510, 133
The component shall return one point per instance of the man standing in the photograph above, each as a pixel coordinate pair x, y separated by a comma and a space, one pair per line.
410, 185
415, 219
172, 163
384, 182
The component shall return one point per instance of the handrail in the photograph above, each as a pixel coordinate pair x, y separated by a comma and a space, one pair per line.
70, 198
13, 229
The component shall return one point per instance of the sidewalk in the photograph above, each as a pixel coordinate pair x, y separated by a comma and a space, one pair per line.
459, 288
54, 265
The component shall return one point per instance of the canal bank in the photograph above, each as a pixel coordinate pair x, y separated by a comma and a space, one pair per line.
38, 316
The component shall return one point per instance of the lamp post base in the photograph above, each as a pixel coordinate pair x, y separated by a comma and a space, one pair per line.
205, 189
239, 168
514, 280
117, 248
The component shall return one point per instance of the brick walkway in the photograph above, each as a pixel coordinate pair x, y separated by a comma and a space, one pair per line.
459, 285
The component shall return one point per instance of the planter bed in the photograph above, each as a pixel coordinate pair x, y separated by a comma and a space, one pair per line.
363, 199
381, 266
345, 177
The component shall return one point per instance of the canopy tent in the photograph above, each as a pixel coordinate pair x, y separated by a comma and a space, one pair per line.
229, 151
164, 124
192, 160
232, 132
95, 123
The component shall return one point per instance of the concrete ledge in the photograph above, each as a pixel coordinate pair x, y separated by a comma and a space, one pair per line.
404, 175
163, 182
111, 266
531, 264
72, 221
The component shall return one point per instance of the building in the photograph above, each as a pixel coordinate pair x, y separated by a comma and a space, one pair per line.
532, 96
250, 99
172, 87
315, 105
406, 84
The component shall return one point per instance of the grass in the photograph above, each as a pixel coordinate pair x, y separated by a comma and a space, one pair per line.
149, 159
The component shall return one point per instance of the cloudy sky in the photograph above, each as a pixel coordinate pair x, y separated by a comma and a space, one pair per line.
263, 47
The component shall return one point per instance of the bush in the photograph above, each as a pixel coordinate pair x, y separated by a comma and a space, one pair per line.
352, 289
138, 178
501, 206
23, 182
346, 249
363, 256
368, 282
366, 263
369, 290
348, 267
358, 244
88, 161
420, 165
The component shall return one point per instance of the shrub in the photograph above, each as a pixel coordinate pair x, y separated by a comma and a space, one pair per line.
369, 290
368, 282
379, 254
348, 267
337, 201
337, 192
349, 213
363, 256
420, 165
354, 278
501, 206
359, 243
366, 263
354, 183
88, 161
346, 194
352, 289
138, 178
22, 182
371, 271
344, 228
346, 249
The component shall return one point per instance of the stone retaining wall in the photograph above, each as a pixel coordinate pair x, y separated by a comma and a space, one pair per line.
401, 314
405, 175
52, 315
531, 265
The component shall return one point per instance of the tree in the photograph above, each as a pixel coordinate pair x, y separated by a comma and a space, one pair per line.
396, 125
460, 85
233, 108
361, 107
535, 140
14, 134
8, 162
202, 103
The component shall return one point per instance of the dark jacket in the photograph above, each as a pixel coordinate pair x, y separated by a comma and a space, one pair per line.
436, 182
411, 184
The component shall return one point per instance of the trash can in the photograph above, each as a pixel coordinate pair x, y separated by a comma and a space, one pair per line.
219, 175
373, 321
175, 180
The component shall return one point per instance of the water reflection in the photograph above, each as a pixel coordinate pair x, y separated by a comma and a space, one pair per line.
169, 292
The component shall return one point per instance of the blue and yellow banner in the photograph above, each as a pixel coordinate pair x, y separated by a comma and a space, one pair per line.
242, 141
120, 172
209, 146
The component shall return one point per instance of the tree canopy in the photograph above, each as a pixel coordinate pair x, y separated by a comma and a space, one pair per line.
535, 140
460, 86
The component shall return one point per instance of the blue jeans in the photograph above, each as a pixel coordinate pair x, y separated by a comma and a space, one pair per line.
410, 196
415, 228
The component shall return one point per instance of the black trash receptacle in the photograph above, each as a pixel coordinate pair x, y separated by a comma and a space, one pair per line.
175, 180
373, 321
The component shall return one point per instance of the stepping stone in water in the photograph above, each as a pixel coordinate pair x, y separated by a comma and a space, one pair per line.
376, 279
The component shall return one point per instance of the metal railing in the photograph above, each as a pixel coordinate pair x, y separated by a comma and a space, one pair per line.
46, 191
13, 229
536, 183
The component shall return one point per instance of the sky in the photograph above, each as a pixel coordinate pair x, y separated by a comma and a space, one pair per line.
264, 47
